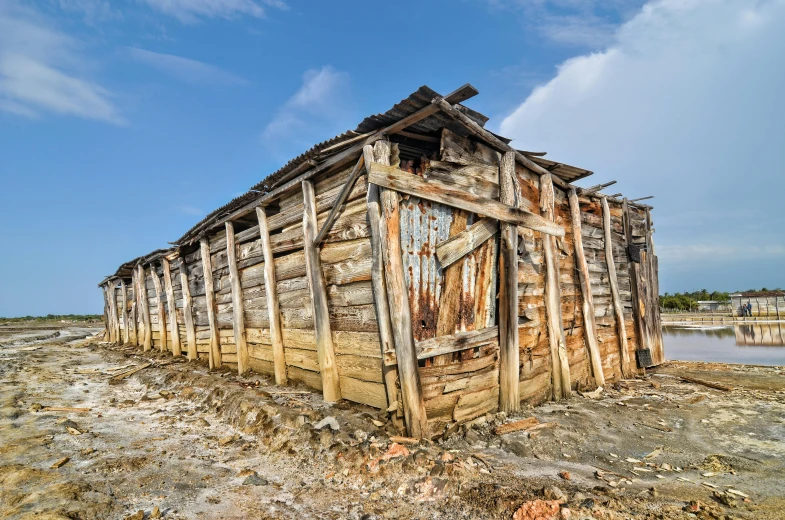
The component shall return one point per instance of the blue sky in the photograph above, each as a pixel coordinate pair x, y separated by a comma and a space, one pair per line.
123, 123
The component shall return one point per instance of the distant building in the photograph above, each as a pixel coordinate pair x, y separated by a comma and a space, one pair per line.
713, 305
764, 303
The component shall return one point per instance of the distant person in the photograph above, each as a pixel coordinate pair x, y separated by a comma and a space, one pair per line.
749, 309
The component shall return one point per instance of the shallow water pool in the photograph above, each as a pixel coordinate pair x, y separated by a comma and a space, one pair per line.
750, 343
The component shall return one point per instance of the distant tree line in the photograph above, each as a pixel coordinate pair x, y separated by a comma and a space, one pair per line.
688, 301
54, 317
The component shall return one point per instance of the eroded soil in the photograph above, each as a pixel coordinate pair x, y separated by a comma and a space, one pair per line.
195, 444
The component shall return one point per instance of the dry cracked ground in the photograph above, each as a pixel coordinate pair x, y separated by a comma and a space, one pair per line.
175, 441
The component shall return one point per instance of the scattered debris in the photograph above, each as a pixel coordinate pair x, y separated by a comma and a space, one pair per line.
595, 394
60, 463
537, 510
63, 409
119, 377
254, 480
327, 421
404, 440
710, 384
516, 426
565, 475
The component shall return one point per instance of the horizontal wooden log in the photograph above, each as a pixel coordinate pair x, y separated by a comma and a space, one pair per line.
455, 342
436, 191
463, 243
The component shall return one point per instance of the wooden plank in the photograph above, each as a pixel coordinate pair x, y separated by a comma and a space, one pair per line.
509, 354
378, 232
456, 342
331, 389
159, 294
238, 311
440, 191
109, 295
271, 295
587, 305
364, 392
126, 328
339, 201
448, 321
170, 302
214, 354
397, 295
635, 283
463, 243
618, 309
188, 316
145, 304
560, 368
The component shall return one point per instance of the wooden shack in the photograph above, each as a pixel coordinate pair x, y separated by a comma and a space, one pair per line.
418, 264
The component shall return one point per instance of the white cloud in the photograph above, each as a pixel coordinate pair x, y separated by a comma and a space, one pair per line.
686, 105
43, 70
190, 210
184, 69
317, 107
190, 11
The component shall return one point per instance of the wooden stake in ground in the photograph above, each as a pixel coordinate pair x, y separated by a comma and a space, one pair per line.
621, 328
126, 330
209, 291
159, 294
145, 303
188, 317
238, 310
271, 294
175, 329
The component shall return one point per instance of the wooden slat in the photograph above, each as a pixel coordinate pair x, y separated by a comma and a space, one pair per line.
587, 305
238, 311
174, 329
509, 355
456, 342
111, 300
635, 283
331, 389
188, 316
439, 191
401, 319
339, 201
559, 363
214, 354
145, 304
378, 232
463, 243
271, 295
159, 294
126, 328
618, 309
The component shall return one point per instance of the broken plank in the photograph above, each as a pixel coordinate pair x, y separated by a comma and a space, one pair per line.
460, 245
455, 342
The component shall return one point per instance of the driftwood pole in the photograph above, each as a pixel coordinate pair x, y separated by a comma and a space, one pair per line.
614, 282
159, 294
107, 335
331, 387
188, 309
110, 314
133, 339
126, 330
214, 357
271, 294
148, 332
587, 308
238, 309
559, 363
635, 283
115, 313
509, 355
398, 300
378, 232
173, 326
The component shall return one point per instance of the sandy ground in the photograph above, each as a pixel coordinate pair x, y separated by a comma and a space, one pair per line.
177, 441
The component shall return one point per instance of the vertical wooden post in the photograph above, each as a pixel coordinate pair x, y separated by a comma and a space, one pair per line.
331, 389
398, 299
777, 305
148, 333
214, 358
559, 362
271, 294
126, 330
138, 313
509, 355
188, 309
111, 300
587, 307
386, 340
635, 284
105, 292
134, 337
116, 313
238, 309
621, 328
159, 294
173, 327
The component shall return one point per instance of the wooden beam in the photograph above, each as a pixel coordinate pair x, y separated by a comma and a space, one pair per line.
214, 357
238, 309
587, 305
420, 137
509, 355
173, 327
133, 338
463, 243
347, 188
325, 351
271, 294
594, 189
148, 332
124, 294
618, 308
441, 192
112, 312
642, 198
378, 234
398, 299
305, 165
635, 283
559, 364
456, 342
107, 326
159, 294
188, 309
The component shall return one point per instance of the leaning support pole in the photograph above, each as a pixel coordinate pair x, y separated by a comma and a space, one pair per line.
159, 295
238, 309
126, 330
559, 364
331, 388
398, 300
386, 340
509, 356
638, 306
621, 328
148, 332
105, 292
271, 294
115, 313
214, 357
188, 309
172, 320
587, 307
